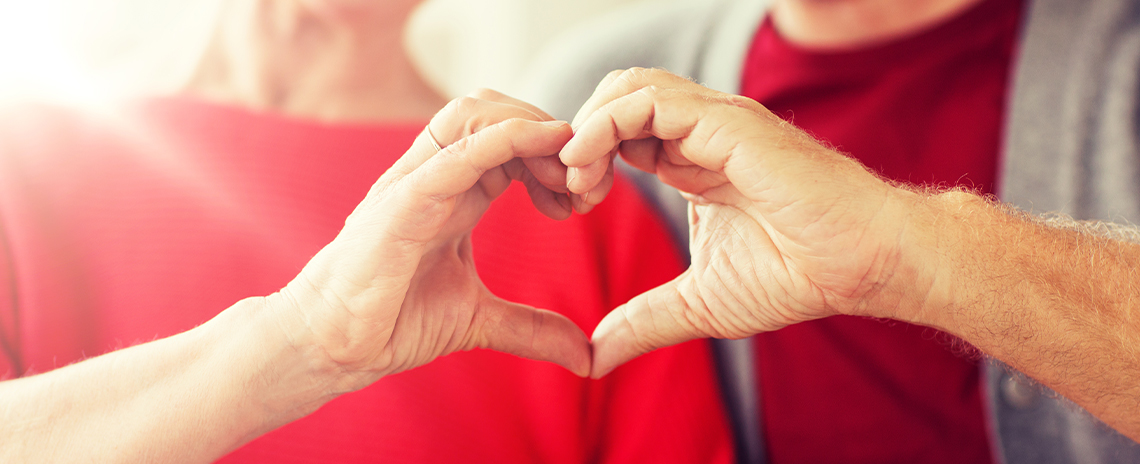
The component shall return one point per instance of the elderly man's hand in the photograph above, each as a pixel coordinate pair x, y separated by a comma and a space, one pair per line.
782, 228
397, 288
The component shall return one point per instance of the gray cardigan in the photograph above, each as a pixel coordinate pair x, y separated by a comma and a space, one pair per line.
1071, 146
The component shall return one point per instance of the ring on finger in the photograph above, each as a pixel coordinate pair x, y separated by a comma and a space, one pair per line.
431, 138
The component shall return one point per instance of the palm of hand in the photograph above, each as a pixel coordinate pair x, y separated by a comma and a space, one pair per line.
782, 228
761, 275
364, 324
444, 297
398, 286
739, 282
757, 265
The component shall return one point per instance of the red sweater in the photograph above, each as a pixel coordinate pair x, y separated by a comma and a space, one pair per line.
925, 109
119, 228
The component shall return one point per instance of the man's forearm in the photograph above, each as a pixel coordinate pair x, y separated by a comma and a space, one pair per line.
191, 397
1054, 298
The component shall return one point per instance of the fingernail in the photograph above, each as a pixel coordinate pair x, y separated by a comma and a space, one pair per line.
555, 124
575, 201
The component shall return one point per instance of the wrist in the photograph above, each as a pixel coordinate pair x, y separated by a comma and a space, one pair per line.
921, 235
943, 233
275, 377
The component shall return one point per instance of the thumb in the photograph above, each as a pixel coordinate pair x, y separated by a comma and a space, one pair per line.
652, 320
532, 333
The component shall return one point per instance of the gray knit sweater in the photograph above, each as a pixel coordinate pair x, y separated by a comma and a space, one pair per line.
1071, 146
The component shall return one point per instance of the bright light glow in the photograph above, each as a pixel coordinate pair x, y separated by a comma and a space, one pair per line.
92, 51
47, 48
34, 61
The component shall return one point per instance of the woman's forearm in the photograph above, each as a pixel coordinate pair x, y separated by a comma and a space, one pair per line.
191, 397
394, 290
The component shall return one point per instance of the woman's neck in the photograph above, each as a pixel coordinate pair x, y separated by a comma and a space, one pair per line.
849, 24
332, 64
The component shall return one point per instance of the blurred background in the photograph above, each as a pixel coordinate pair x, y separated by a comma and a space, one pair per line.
75, 49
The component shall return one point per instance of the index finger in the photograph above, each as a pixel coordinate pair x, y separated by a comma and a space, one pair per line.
620, 83
499, 97
547, 170
458, 166
629, 121
696, 128
587, 178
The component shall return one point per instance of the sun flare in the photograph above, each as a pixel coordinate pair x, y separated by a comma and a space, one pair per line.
33, 62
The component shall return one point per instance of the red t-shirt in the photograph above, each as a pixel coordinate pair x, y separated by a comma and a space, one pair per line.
123, 227
925, 109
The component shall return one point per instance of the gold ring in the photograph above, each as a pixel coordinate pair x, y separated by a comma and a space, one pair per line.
431, 138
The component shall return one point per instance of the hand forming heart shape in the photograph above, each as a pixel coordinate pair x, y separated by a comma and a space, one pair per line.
397, 288
782, 229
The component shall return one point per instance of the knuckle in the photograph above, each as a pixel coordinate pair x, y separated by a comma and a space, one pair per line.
632, 74
450, 110
744, 102
477, 123
647, 74
611, 77
466, 105
652, 93
460, 146
484, 93
456, 119
509, 126
501, 132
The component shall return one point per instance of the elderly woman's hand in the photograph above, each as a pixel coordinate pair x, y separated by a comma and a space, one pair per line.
782, 228
397, 288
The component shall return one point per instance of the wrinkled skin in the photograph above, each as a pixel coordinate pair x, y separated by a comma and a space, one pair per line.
782, 228
398, 288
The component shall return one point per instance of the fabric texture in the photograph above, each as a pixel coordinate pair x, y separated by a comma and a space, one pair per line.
1070, 146
126, 226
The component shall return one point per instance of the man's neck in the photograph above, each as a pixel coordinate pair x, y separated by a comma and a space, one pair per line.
331, 64
850, 24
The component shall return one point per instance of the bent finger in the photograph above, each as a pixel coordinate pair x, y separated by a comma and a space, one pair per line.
701, 130
598, 193
582, 179
415, 207
555, 205
598, 97
460, 118
623, 82
548, 171
499, 97
641, 153
456, 168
